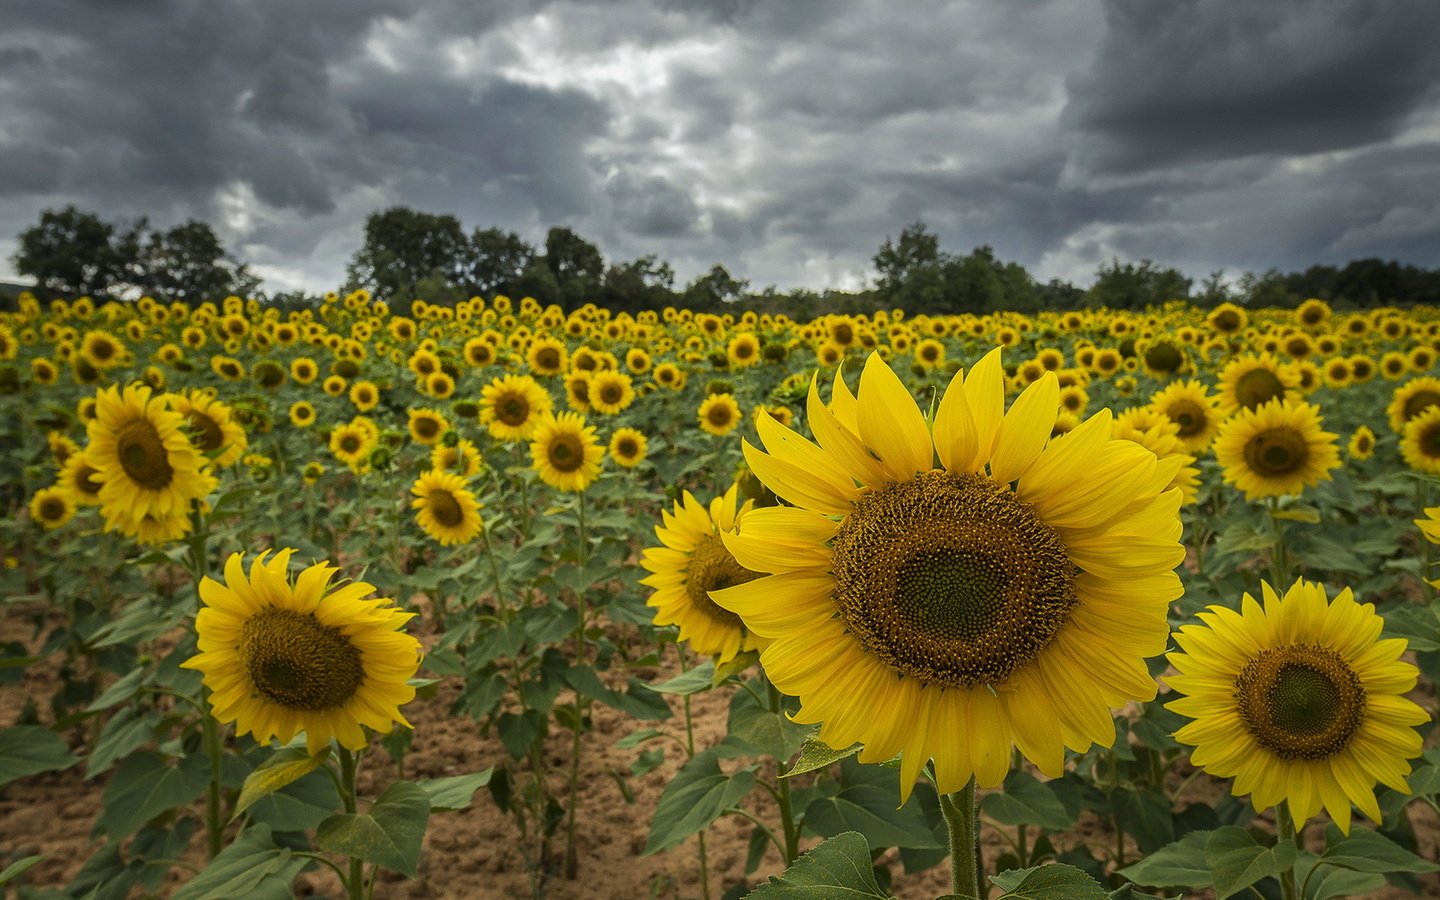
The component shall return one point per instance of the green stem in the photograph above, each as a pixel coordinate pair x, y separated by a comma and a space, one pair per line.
1285, 826
787, 811
572, 864
690, 754
959, 810
1279, 562
355, 880
494, 567
1422, 500
214, 825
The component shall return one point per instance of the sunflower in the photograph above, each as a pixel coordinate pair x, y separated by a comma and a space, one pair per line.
565, 453
281, 657
743, 350
1420, 445
637, 361
351, 444
1277, 449
1298, 701
1362, 443
302, 414
227, 367
78, 479
312, 473
463, 458
692, 562
1158, 434
547, 356
427, 426
439, 385
143, 459
43, 371
365, 395
102, 349
1191, 407
1410, 400
511, 406
577, 390
447, 510
333, 385
611, 392
1313, 314
52, 507
1008, 597
1253, 380
303, 370
719, 414
213, 429
628, 447
669, 375
1430, 528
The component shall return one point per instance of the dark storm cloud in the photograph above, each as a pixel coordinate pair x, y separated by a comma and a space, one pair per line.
1214, 79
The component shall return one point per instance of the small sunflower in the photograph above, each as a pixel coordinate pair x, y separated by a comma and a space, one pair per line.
143, 458
333, 385
1362, 443
351, 444
1410, 400
52, 507
213, 429
719, 414
628, 447
427, 426
1298, 701
743, 350
79, 480
462, 459
1253, 380
547, 356
303, 370
692, 562
1191, 407
312, 473
102, 349
1420, 445
302, 414
1280, 448
281, 657
565, 453
511, 407
1007, 598
670, 376
447, 510
365, 395
611, 392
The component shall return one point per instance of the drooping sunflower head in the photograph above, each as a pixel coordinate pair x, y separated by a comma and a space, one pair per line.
692, 562
212, 427
1420, 444
628, 447
446, 509
282, 657
1251, 381
512, 406
565, 452
957, 610
1410, 400
1298, 701
1278, 449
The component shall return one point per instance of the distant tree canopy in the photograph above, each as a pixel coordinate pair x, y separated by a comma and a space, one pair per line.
74, 252
406, 253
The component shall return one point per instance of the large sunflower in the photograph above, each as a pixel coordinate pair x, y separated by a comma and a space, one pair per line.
1420, 445
1007, 597
1298, 701
565, 453
281, 658
1410, 400
446, 508
142, 458
1253, 380
693, 562
1280, 448
511, 406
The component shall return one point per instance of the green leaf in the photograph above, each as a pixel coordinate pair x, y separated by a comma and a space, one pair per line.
735, 666
1327, 882
1368, 851
1181, 864
1145, 816
252, 867
455, 792
865, 799
816, 754
837, 869
1307, 514
1417, 624
1237, 860
144, 786
29, 750
388, 835
762, 731
692, 681
283, 767
300, 806
15, 869
698, 795
1024, 800
120, 691
640, 701
127, 731
636, 738
1053, 882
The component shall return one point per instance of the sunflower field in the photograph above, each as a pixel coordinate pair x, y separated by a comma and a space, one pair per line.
502, 600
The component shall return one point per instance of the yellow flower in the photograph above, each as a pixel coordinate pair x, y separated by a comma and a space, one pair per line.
1278, 449
78, 479
743, 350
547, 356
213, 429
669, 375
565, 453
628, 447
51, 507
1410, 400
281, 658
365, 395
719, 414
1189, 405
1420, 445
463, 459
1252, 381
1362, 443
1298, 701
691, 562
511, 406
930, 354
302, 414
351, 444
447, 510
611, 392
427, 426
1007, 598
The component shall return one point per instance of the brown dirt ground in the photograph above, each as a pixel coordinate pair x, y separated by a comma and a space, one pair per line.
475, 853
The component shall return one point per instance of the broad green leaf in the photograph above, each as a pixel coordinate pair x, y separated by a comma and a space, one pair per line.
816, 754
283, 767
691, 681
1024, 800
763, 731
865, 800
388, 835
299, 806
699, 794
126, 731
1328, 882
144, 786
837, 869
1181, 864
640, 701
15, 869
120, 691
1368, 851
1053, 882
1237, 860
455, 792
736, 665
252, 867
1415, 623
1145, 816
636, 738
29, 750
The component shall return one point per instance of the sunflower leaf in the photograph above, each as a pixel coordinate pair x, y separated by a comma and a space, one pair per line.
837, 868
1181, 864
388, 835
252, 867
284, 767
864, 800
1056, 881
698, 795
455, 792
30, 749
1237, 860
691, 681
1368, 851
1024, 800
816, 754
144, 786
1323, 882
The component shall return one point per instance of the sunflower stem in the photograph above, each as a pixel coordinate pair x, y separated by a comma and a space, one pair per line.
690, 754
1422, 500
494, 571
1285, 826
572, 864
1279, 562
355, 880
959, 811
787, 811
197, 560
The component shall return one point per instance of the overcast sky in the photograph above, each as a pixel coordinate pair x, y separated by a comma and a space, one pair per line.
783, 139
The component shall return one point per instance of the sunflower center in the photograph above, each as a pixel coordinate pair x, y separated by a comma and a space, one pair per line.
1419, 402
1188, 415
626, 448
142, 455
548, 358
1277, 452
712, 568
951, 579
1430, 441
1258, 387
296, 662
565, 453
719, 415
1163, 357
1300, 702
350, 444
52, 509
208, 435
445, 508
427, 427
611, 394
513, 411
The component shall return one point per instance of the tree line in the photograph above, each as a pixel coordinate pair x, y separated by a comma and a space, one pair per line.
406, 253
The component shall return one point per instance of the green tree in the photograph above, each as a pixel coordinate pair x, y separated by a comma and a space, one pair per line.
1129, 286
73, 252
577, 265
915, 254
493, 261
714, 289
644, 283
404, 247
189, 263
